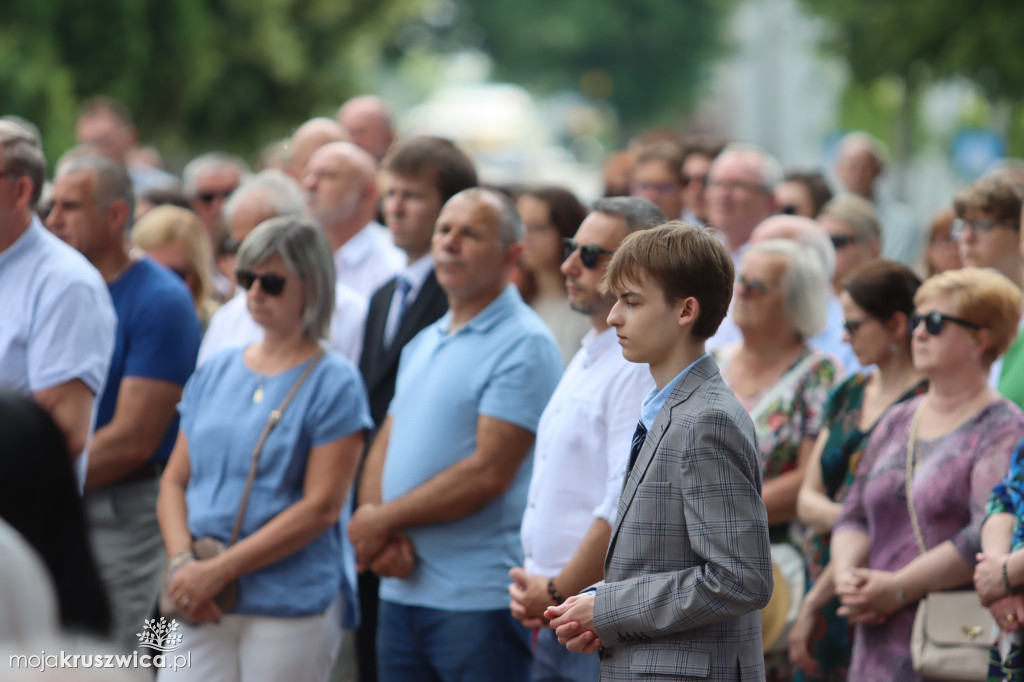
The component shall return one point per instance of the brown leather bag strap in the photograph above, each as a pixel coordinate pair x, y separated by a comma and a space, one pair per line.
911, 446
271, 422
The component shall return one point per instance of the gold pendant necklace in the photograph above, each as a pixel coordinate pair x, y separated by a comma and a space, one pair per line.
257, 395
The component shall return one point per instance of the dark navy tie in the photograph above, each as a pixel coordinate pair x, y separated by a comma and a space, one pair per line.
638, 442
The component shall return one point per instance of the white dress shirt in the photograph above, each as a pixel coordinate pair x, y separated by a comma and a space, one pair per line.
232, 326
415, 274
583, 441
368, 260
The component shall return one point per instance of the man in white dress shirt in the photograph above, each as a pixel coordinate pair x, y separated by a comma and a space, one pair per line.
262, 197
341, 195
583, 442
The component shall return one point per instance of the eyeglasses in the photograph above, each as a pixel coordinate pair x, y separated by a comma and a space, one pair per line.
589, 253
208, 197
788, 209
272, 285
755, 287
934, 320
737, 184
851, 326
978, 226
841, 240
659, 188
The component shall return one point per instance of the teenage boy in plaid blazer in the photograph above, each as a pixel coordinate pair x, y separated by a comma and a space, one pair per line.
689, 566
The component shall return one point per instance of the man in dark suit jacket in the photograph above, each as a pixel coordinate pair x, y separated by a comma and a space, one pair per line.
689, 563
422, 174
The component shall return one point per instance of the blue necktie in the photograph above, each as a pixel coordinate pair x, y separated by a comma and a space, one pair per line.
639, 436
402, 288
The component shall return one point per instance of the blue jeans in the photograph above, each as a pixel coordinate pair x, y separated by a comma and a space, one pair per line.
552, 662
417, 644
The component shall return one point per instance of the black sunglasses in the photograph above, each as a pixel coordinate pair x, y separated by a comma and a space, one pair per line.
589, 253
841, 240
934, 320
272, 285
208, 197
851, 326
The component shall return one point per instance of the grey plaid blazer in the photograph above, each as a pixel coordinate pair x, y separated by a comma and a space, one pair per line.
689, 565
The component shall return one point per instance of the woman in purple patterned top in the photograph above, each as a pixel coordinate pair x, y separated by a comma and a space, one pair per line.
960, 435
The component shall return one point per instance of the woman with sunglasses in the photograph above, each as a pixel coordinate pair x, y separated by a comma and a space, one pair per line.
877, 300
290, 558
856, 233
955, 441
782, 381
176, 238
550, 215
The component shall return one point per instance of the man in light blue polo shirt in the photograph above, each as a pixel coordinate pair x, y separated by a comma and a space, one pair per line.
445, 483
57, 321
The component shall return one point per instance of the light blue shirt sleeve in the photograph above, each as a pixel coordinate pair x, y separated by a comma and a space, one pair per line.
523, 382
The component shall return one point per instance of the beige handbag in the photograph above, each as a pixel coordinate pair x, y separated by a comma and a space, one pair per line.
952, 631
209, 547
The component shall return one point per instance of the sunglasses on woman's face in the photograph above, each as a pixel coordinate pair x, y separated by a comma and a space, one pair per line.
934, 321
589, 253
271, 284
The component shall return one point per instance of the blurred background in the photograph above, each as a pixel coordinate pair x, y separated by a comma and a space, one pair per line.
536, 89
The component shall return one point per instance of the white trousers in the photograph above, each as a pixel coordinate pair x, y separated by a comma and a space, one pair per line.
258, 649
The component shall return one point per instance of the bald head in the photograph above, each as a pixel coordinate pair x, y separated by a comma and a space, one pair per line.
802, 230
368, 120
341, 189
309, 137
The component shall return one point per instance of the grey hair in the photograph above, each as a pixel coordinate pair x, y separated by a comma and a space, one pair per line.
112, 181
510, 225
860, 139
637, 213
23, 154
303, 247
804, 284
276, 189
207, 162
768, 168
858, 213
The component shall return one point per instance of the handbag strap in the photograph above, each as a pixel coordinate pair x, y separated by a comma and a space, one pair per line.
911, 447
272, 420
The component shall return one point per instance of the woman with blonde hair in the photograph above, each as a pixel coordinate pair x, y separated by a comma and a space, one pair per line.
955, 442
175, 238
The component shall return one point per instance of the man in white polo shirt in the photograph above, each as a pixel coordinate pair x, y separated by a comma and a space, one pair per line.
583, 442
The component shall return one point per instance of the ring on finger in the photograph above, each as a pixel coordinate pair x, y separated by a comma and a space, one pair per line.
1010, 618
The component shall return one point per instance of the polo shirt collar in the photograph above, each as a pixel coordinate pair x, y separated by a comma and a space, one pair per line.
495, 312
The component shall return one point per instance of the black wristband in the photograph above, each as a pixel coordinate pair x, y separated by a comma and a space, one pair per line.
1010, 589
553, 591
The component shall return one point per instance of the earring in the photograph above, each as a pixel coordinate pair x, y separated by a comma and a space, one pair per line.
894, 348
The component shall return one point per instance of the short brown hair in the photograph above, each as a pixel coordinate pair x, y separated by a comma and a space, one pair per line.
683, 260
996, 196
983, 296
667, 153
452, 171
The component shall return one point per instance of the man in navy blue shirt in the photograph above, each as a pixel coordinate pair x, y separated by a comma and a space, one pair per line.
136, 421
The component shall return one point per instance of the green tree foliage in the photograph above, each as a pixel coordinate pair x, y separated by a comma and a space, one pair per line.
197, 74
647, 57
925, 41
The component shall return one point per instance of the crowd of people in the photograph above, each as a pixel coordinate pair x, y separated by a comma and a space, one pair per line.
358, 411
